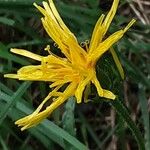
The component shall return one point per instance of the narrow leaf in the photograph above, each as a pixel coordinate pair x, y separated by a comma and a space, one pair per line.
16, 96
123, 112
145, 116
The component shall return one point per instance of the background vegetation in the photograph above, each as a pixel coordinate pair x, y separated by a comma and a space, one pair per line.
99, 124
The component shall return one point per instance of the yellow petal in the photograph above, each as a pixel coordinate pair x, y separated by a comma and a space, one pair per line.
40, 9
50, 23
104, 46
49, 11
30, 73
56, 28
57, 34
33, 73
27, 73
102, 92
97, 34
98, 86
81, 87
102, 27
13, 76
61, 23
25, 120
26, 53
30, 121
59, 82
57, 60
110, 16
129, 25
108, 94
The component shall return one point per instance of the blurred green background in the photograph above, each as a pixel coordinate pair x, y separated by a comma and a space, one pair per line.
99, 124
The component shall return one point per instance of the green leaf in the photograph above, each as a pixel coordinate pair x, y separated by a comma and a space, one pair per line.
16, 96
42, 138
63, 135
18, 2
7, 21
135, 73
4, 146
90, 130
145, 116
28, 43
68, 121
123, 112
47, 128
4, 53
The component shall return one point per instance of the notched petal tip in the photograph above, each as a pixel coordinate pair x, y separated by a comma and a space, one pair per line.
35, 4
23, 128
12, 49
109, 94
129, 25
98, 87
78, 98
14, 76
25, 122
15, 50
26, 54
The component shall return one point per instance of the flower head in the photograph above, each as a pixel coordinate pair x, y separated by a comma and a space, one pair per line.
76, 70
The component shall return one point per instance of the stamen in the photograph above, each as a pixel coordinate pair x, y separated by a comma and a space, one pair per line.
87, 41
85, 45
47, 48
82, 44
55, 45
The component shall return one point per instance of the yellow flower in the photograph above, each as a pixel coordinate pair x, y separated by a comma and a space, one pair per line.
76, 70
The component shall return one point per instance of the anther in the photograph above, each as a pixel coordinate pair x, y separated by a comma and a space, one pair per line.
82, 44
85, 44
87, 41
47, 48
55, 45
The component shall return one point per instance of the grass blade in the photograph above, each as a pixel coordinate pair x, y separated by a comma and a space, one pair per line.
145, 116
4, 53
122, 111
16, 96
47, 128
90, 130
4, 146
135, 73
